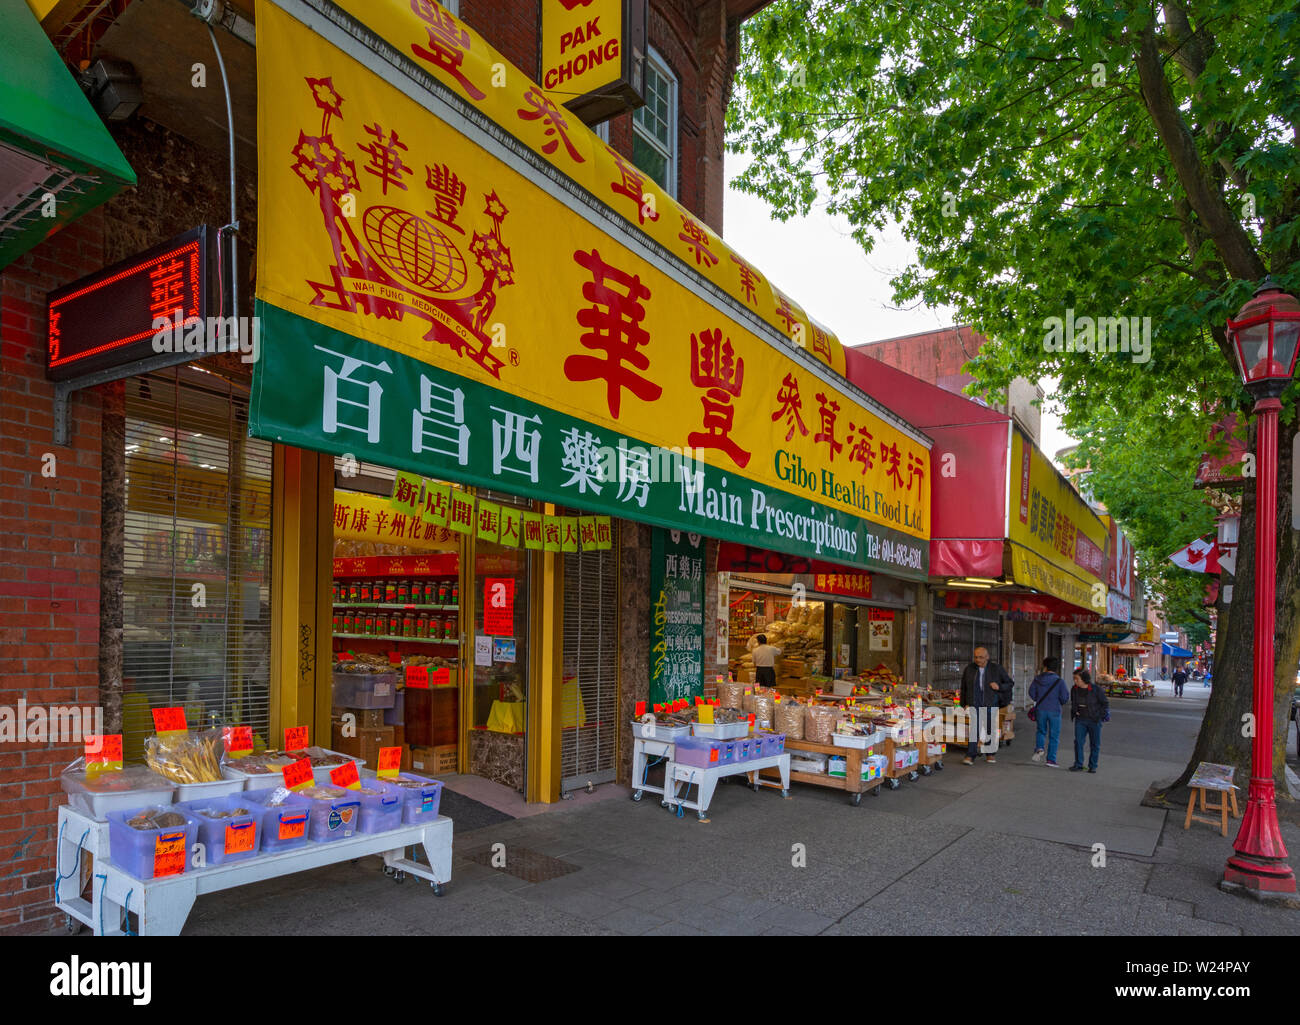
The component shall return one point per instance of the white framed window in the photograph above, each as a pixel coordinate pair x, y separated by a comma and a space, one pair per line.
654, 126
451, 5
602, 131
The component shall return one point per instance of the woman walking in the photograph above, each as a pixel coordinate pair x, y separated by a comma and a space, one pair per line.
1089, 708
1049, 694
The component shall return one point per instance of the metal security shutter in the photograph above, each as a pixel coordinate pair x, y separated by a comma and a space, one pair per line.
590, 696
955, 641
197, 555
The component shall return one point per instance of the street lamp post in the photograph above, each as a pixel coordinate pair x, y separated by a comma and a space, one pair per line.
1264, 338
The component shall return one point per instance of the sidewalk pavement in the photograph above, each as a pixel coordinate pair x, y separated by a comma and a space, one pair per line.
987, 849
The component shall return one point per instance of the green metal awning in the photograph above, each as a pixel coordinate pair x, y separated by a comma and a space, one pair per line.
52, 143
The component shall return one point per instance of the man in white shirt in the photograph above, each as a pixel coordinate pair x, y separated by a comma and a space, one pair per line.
765, 656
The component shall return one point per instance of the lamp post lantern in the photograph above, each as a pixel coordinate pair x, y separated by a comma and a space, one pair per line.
1264, 339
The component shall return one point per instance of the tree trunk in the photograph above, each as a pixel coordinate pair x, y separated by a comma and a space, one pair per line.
113, 519
1223, 738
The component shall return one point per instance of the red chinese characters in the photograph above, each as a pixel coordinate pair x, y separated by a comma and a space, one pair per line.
788, 405
915, 470
614, 327
890, 459
828, 409
714, 366
166, 290
550, 115
788, 313
385, 162
405, 493
633, 187
448, 194
697, 240
448, 44
821, 342
860, 451
749, 277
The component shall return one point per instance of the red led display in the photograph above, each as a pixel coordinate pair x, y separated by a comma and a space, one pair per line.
107, 319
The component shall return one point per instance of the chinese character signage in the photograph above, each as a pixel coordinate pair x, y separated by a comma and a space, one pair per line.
857, 585
110, 318
593, 55
435, 311
676, 615
1060, 547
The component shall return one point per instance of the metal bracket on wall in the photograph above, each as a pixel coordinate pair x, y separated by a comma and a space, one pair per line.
63, 389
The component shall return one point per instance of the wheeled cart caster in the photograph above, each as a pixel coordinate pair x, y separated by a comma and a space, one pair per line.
912, 776
855, 800
938, 766
73, 925
400, 877
892, 783
636, 795
438, 889
926, 770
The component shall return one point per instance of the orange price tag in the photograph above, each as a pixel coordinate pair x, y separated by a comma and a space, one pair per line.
346, 776
169, 854
169, 720
417, 677
295, 738
293, 825
390, 760
440, 677
298, 775
103, 754
238, 740
240, 837
394, 658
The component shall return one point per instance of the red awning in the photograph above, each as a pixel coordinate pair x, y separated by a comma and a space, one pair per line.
1030, 606
952, 557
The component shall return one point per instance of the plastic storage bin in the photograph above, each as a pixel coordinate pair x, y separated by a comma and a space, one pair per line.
332, 818
698, 752
150, 853
380, 811
659, 731
284, 826
133, 787
206, 791
419, 803
232, 838
365, 690
396, 716
720, 730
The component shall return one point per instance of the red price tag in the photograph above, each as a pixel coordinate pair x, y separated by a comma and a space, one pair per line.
168, 855
417, 677
345, 656
346, 776
295, 738
440, 677
390, 760
294, 825
238, 740
640, 709
659, 709
240, 837
394, 658
298, 775
104, 748
169, 720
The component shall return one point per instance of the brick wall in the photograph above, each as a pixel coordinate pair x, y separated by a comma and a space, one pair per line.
49, 566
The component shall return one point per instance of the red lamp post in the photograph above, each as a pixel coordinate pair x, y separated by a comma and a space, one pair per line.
1264, 338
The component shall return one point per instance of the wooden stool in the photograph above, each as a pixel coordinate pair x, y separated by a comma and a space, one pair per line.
1216, 779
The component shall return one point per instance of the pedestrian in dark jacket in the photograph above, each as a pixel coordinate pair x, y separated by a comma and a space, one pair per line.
1049, 694
985, 688
1089, 708
1180, 681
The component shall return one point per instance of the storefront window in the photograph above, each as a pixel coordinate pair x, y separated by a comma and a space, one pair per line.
500, 638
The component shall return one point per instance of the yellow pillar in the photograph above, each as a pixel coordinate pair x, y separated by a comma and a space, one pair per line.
302, 548
546, 687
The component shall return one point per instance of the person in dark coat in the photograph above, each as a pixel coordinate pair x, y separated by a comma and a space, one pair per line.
1049, 694
1180, 681
986, 688
1089, 708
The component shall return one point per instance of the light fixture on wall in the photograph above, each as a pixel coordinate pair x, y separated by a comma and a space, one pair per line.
113, 88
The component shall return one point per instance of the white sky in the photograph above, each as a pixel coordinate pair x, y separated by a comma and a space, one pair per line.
815, 260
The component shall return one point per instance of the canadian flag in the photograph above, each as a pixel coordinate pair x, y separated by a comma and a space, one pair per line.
1201, 556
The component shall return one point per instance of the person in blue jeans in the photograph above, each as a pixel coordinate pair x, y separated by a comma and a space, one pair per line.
1089, 708
1049, 694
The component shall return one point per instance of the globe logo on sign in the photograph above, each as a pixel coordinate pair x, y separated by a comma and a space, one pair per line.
414, 249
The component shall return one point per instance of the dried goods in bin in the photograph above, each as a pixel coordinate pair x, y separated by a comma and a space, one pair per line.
156, 818
186, 757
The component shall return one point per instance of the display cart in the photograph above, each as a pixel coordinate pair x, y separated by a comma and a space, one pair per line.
649, 742
707, 780
930, 762
852, 783
163, 905
894, 775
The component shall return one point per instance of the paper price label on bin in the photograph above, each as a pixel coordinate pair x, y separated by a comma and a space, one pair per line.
390, 760
299, 774
103, 754
293, 827
238, 740
168, 721
295, 738
417, 677
240, 837
440, 677
169, 855
347, 776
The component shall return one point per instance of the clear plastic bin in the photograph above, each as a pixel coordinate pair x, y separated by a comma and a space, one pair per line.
240, 834
720, 730
206, 791
419, 803
380, 811
698, 752
150, 853
396, 716
132, 787
284, 826
365, 690
332, 818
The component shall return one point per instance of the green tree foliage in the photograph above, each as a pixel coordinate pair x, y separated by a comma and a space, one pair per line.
1050, 159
